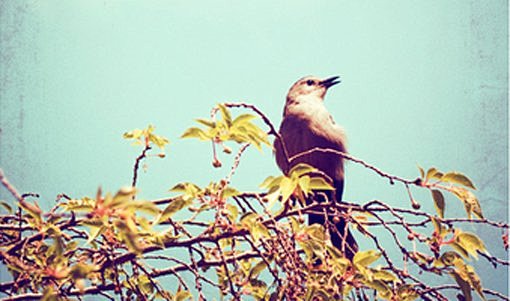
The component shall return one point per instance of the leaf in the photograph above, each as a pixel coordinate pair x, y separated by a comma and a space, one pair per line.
95, 232
134, 134
6, 206
407, 293
122, 197
464, 286
457, 178
160, 141
431, 172
233, 212
438, 202
471, 203
304, 184
186, 188
208, 123
438, 227
259, 231
384, 275
228, 192
301, 169
316, 232
182, 295
270, 182
471, 243
422, 172
128, 235
451, 258
242, 119
287, 187
174, 206
365, 258
143, 206
225, 114
194, 132
318, 183
460, 249
258, 268
383, 290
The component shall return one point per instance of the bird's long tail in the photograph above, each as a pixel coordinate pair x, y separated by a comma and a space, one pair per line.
341, 236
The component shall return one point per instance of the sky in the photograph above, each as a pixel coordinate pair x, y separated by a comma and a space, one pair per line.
423, 83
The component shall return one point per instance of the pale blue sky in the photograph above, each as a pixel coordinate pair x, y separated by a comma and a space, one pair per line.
423, 82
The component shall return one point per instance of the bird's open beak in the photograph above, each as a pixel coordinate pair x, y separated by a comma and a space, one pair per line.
328, 82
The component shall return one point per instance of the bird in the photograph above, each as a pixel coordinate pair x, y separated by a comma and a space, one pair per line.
307, 125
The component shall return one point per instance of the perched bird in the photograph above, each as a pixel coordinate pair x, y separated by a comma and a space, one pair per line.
306, 125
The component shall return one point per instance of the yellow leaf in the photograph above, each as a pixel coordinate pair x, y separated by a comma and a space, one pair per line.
457, 178
365, 258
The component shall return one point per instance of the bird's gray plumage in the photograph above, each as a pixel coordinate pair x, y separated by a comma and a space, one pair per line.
306, 125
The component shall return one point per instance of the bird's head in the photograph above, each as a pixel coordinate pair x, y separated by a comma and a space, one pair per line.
312, 86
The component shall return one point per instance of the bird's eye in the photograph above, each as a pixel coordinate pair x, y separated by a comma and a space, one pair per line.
310, 82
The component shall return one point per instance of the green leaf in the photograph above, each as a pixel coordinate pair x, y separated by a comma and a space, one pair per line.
301, 169
225, 114
451, 258
194, 132
129, 237
384, 275
287, 187
95, 232
255, 227
174, 206
208, 123
134, 134
233, 212
259, 231
365, 258
242, 119
160, 141
383, 290
182, 295
406, 292
471, 243
143, 206
186, 188
422, 172
438, 202
304, 184
431, 172
457, 178
460, 249
122, 197
318, 183
438, 227
258, 268
315, 232
471, 203
270, 181
228, 192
